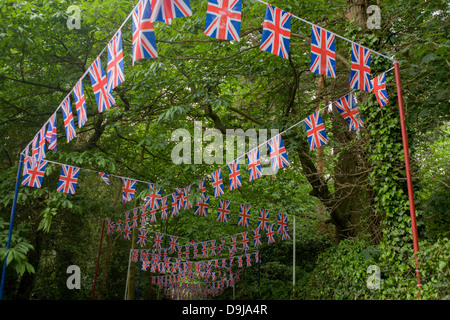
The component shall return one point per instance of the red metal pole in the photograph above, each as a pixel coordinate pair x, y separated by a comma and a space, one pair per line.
412, 208
98, 260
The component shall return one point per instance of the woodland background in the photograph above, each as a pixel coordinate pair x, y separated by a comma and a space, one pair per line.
349, 197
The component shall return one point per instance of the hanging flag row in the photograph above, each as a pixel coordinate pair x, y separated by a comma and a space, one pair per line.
223, 21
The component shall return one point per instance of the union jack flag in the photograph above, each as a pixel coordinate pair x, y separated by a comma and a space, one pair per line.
379, 88
223, 19
257, 237
187, 252
223, 211
185, 197
114, 67
270, 234
164, 207
360, 68
173, 243
233, 243
34, 174
244, 215
157, 240
315, 130
323, 52
119, 225
248, 257
263, 219
234, 175
135, 217
143, 216
254, 164
245, 245
204, 249
153, 215
142, 237
68, 119
51, 135
201, 209
213, 248
105, 177
127, 233
166, 10
144, 43
282, 226
68, 179
276, 33
134, 256
128, 189
127, 219
217, 183
80, 103
153, 200
175, 207
347, 107
41, 144
201, 187
103, 94
195, 250
109, 226
35, 150
278, 154
239, 260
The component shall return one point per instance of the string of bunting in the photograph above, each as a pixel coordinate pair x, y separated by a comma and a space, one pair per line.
223, 21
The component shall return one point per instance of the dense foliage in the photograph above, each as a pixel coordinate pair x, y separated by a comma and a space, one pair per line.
349, 198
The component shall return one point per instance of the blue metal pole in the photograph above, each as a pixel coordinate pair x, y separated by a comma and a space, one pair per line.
11, 222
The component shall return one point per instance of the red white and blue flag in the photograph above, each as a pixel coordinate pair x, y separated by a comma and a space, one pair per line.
164, 208
315, 130
213, 248
115, 72
245, 244
41, 144
68, 179
282, 226
34, 174
276, 33
175, 206
323, 52
244, 215
360, 68
173, 243
127, 233
248, 257
127, 219
143, 216
167, 10
263, 219
233, 243
201, 209
119, 225
142, 237
234, 175
217, 183
270, 234
185, 197
80, 103
51, 134
128, 189
134, 256
277, 152
379, 88
204, 249
254, 164
158, 240
144, 43
103, 94
257, 237
202, 187
348, 109
69, 125
105, 177
223, 210
135, 217
223, 19
153, 200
